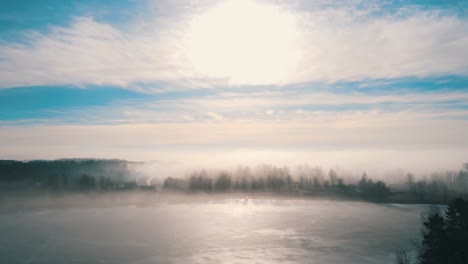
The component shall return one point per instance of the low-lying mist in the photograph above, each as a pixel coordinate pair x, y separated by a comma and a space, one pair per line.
122, 180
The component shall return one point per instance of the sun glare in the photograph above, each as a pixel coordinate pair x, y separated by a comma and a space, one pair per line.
243, 41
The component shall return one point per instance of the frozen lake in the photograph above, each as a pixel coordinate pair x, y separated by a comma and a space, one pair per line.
217, 231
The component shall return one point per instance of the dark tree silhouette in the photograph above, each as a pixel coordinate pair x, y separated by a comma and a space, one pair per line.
445, 239
174, 184
375, 191
223, 182
87, 182
456, 220
433, 247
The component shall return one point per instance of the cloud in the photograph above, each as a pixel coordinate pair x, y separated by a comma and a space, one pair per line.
88, 52
341, 47
344, 43
293, 105
281, 105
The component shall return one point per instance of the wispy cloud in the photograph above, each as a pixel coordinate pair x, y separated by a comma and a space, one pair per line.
333, 45
280, 105
287, 106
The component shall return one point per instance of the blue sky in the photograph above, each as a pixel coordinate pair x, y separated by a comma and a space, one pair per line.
294, 79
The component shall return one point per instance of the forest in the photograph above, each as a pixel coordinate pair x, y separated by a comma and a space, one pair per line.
92, 175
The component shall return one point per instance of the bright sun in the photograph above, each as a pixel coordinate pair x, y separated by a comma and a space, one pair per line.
243, 41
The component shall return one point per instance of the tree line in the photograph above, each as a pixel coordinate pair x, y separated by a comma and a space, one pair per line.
111, 175
66, 174
273, 179
438, 187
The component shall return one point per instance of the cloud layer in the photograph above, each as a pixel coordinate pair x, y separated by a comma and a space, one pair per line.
341, 44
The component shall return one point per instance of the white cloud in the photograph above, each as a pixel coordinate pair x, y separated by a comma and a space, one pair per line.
292, 105
258, 106
333, 44
341, 47
89, 52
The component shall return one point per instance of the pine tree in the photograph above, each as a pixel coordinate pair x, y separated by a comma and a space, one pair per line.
433, 249
445, 239
456, 222
454, 215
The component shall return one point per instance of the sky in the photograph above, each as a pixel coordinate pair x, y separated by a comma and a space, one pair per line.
363, 84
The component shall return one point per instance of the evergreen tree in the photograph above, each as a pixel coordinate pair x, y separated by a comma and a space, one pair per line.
456, 222
433, 250
445, 239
